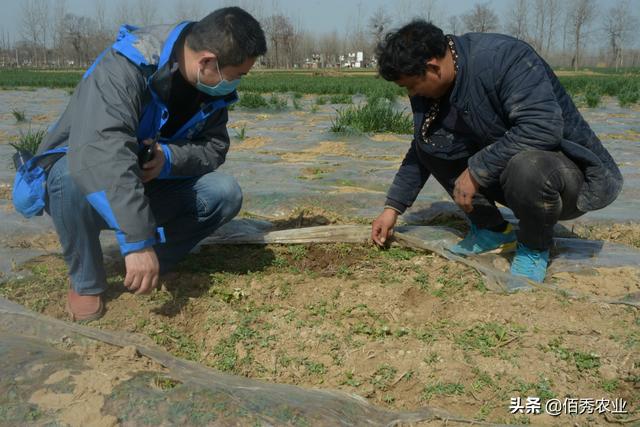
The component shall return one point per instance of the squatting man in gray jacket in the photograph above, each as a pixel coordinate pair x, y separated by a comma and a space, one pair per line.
492, 123
167, 87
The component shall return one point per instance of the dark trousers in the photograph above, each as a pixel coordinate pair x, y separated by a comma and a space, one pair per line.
540, 187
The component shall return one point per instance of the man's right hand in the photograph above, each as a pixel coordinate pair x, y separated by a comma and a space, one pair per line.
382, 227
143, 271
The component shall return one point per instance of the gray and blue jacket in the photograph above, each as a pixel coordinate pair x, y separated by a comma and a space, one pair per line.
511, 101
121, 101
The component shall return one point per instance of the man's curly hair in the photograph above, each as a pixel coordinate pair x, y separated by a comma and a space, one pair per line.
405, 52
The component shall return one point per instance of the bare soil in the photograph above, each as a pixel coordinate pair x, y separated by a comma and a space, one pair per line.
404, 329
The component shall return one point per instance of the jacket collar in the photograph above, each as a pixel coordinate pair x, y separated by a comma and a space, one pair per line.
458, 94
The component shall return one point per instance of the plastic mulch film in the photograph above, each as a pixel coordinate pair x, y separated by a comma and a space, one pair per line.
568, 255
35, 364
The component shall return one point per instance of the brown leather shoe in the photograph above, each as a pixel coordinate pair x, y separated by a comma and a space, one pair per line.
84, 308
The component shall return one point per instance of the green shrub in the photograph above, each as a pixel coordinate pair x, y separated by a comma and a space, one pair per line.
629, 97
592, 97
242, 133
19, 115
252, 101
376, 116
277, 102
30, 141
321, 100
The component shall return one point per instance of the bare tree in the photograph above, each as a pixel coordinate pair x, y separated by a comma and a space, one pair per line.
123, 14
329, 46
481, 19
546, 14
188, 10
280, 33
430, 11
101, 16
102, 34
540, 21
146, 12
455, 25
581, 14
554, 8
379, 24
59, 11
518, 20
619, 25
77, 36
404, 11
31, 27
42, 19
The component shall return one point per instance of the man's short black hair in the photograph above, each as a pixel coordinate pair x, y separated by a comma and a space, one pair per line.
404, 52
231, 33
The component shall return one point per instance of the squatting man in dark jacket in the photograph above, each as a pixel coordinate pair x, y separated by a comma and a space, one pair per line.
493, 124
163, 86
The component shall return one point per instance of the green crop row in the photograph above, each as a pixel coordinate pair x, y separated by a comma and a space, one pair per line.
589, 88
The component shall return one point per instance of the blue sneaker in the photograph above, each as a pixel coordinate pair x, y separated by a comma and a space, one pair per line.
530, 263
481, 240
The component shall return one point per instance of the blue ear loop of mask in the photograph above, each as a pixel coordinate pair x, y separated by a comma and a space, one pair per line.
224, 87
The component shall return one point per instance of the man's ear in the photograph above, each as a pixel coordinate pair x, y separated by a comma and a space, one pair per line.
206, 59
433, 65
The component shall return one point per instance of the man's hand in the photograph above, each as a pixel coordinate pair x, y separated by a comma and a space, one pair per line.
466, 186
382, 227
143, 271
153, 167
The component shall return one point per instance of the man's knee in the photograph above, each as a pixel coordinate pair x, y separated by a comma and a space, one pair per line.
220, 191
529, 170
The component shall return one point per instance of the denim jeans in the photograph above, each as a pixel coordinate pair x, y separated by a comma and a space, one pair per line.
188, 209
540, 187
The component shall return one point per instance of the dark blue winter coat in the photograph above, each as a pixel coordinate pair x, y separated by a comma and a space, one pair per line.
512, 102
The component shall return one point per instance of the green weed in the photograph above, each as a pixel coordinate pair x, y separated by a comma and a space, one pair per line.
322, 100
439, 388
610, 385
399, 254
383, 376
376, 116
252, 101
629, 97
485, 338
586, 361
340, 99
351, 380
30, 141
277, 102
242, 133
592, 97
20, 116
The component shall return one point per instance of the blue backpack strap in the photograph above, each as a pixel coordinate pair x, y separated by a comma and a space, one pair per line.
33, 162
57, 150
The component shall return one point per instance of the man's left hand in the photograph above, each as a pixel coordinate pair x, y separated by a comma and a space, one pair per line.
153, 167
466, 186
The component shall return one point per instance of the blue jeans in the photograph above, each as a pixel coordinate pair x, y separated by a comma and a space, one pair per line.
188, 209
